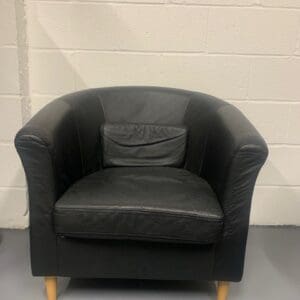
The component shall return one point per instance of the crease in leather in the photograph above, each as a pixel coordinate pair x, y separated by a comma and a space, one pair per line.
232, 171
149, 237
143, 144
140, 143
102, 106
32, 139
125, 210
78, 135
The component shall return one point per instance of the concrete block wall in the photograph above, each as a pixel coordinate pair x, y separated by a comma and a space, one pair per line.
245, 51
13, 195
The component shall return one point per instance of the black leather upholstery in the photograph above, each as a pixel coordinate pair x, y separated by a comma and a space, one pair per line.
146, 203
142, 145
134, 259
61, 146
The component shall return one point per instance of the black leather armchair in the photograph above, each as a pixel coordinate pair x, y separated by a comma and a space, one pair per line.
140, 182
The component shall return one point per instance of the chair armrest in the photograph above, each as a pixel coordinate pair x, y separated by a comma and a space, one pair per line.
235, 153
49, 149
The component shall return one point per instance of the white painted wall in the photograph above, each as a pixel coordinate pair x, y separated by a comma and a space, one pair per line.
245, 51
13, 201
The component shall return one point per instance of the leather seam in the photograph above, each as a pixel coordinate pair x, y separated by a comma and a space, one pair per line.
153, 236
30, 138
137, 212
145, 144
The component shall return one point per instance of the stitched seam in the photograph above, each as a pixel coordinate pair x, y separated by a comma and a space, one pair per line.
30, 138
145, 144
170, 237
156, 162
213, 219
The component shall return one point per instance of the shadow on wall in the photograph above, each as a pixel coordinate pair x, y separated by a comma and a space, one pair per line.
57, 72
64, 80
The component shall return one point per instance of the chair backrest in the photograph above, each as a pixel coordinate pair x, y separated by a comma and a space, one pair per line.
138, 126
143, 127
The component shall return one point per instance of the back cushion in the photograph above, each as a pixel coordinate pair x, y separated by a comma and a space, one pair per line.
142, 145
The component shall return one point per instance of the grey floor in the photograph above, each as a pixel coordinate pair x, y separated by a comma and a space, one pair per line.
272, 271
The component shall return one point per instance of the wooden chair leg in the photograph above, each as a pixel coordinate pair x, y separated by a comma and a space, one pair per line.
222, 290
51, 285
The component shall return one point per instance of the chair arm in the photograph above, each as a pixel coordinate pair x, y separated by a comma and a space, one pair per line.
50, 152
235, 153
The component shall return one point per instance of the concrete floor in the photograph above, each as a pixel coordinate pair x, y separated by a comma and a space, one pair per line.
272, 272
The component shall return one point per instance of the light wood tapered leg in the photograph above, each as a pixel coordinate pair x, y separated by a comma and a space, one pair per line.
51, 285
222, 290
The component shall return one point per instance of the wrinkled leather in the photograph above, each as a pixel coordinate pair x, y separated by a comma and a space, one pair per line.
142, 145
234, 155
144, 105
61, 144
150, 203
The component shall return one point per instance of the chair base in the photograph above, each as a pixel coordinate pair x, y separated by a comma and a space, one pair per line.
51, 289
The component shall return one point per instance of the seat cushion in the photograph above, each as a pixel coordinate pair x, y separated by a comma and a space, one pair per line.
140, 203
